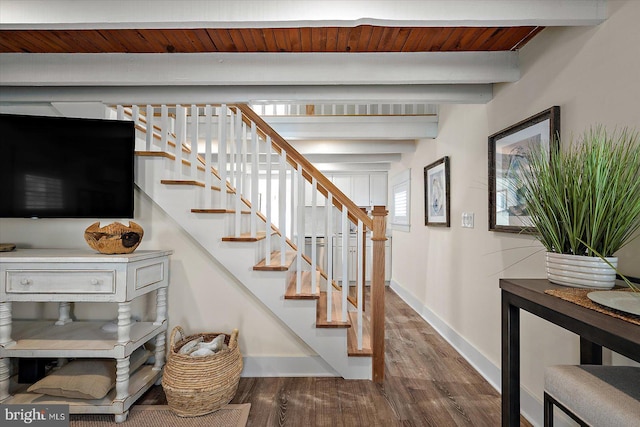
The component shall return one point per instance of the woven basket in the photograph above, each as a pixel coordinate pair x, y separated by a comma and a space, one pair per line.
197, 386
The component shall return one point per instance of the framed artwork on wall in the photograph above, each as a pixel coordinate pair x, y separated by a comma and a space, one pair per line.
507, 157
437, 203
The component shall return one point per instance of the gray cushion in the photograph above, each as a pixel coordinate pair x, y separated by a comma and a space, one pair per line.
86, 378
599, 395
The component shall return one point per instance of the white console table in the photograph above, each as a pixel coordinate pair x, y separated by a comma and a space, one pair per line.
66, 276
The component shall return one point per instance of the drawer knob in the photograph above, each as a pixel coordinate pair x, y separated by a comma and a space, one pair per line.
25, 282
95, 282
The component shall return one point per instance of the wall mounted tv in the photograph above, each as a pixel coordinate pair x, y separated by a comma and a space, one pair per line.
59, 167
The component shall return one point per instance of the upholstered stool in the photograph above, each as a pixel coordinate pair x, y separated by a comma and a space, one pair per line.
593, 395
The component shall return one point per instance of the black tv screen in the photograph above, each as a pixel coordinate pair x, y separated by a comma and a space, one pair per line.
59, 167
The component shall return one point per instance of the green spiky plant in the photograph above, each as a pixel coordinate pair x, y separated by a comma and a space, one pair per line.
585, 199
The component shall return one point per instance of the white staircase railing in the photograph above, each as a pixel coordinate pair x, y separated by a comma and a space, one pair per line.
242, 167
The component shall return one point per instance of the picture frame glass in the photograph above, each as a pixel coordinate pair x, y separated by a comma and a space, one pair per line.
436, 193
508, 154
510, 160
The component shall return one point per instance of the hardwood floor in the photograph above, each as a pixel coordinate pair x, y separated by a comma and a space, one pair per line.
427, 383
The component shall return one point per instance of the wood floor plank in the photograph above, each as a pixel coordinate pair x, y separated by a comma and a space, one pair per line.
427, 384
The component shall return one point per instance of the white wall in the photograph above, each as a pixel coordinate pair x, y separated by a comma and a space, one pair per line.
451, 275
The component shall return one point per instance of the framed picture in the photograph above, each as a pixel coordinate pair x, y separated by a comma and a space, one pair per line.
507, 157
436, 193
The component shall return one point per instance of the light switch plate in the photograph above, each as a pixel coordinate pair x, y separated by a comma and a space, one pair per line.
467, 219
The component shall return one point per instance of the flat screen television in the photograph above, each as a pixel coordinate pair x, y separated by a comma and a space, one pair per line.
59, 167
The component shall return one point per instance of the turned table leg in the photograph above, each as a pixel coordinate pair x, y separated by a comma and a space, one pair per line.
64, 314
159, 352
122, 378
161, 306
124, 322
4, 378
5, 325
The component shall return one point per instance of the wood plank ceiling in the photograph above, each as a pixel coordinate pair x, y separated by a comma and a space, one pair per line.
361, 38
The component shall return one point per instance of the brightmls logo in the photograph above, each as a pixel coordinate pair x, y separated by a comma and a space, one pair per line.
35, 415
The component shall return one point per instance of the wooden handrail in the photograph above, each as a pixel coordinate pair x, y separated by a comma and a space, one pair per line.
309, 171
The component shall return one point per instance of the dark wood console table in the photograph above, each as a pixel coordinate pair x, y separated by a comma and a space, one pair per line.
596, 330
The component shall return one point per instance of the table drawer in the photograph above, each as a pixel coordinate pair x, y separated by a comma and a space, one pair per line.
61, 281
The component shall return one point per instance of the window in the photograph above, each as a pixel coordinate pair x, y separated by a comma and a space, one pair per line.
401, 201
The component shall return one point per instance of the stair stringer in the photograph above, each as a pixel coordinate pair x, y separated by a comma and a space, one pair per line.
239, 258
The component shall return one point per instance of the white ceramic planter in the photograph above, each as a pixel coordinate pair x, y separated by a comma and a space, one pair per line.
581, 271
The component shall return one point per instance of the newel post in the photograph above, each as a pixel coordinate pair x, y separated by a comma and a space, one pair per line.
377, 291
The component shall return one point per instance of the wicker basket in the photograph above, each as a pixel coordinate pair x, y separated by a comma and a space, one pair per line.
197, 386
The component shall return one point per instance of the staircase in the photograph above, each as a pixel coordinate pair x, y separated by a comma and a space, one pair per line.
239, 189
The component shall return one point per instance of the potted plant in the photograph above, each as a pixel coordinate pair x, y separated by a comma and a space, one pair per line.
584, 201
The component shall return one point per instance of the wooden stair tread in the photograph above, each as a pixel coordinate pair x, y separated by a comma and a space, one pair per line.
305, 288
155, 154
246, 237
218, 211
336, 313
187, 182
275, 264
352, 336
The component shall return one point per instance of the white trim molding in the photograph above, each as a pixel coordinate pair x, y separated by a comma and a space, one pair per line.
274, 366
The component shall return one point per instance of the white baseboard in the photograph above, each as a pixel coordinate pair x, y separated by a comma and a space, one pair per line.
301, 366
530, 407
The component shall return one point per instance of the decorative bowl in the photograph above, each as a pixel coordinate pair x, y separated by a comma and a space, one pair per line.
114, 238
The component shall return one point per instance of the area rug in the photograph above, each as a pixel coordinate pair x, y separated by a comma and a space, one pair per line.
161, 415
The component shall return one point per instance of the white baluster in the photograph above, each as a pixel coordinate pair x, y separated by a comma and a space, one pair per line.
314, 251
194, 142
232, 149
255, 153
292, 205
329, 246
164, 123
149, 136
238, 173
268, 202
180, 129
120, 112
300, 229
222, 154
345, 261
244, 164
360, 281
135, 114
282, 200
208, 176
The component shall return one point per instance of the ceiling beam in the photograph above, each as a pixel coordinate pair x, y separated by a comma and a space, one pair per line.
354, 147
64, 14
127, 69
355, 127
353, 158
436, 94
